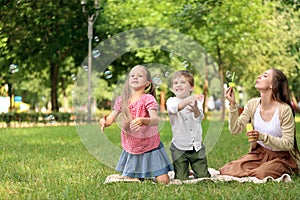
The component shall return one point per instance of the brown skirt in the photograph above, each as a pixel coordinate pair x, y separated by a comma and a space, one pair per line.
261, 162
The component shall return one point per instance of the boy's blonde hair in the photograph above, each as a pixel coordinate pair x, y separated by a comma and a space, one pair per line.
189, 77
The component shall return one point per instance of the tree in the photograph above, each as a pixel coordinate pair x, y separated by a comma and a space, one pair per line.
293, 8
41, 35
125, 15
242, 36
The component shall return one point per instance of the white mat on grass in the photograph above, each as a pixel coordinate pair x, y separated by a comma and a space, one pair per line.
215, 177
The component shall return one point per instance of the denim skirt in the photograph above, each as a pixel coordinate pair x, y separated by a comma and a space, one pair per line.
146, 165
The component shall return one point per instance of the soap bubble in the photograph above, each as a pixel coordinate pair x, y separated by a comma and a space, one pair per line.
157, 80
73, 76
167, 74
228, 74
185, 64
85, 68
13, 68
96, 38
50, 119
96, 53
193, 56
108, 74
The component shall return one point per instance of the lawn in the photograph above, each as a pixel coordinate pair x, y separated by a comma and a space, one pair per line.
56, 162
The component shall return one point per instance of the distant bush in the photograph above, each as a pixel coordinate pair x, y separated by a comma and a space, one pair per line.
35, 118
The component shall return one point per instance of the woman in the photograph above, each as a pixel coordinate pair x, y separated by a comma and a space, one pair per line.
274, 149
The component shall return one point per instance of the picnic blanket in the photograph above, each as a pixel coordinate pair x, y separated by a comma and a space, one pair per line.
215, 177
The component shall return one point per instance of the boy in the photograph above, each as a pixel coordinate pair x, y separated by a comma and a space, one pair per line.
185, 113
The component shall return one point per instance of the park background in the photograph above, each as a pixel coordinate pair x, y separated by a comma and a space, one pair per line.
43, 47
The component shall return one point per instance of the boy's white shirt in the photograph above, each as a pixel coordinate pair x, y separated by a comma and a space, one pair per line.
186, 129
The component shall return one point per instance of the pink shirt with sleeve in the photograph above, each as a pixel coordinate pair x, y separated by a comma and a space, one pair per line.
147, 137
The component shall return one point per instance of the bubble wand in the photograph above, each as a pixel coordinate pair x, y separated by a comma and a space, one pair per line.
232, 83
249, 127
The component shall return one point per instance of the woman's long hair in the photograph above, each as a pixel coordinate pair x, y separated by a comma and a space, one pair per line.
281, 93
126, 93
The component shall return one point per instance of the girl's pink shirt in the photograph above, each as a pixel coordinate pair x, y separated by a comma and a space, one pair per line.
147, 137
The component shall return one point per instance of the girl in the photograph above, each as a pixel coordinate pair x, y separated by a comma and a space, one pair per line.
143, 154
274, 149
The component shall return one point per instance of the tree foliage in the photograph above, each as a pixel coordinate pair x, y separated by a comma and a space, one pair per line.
41, 36
48, 39
244, 36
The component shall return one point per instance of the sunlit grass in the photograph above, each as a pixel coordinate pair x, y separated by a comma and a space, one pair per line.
297, 118
53, 163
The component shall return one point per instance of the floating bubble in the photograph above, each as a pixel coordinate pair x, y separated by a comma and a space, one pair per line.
85, 68
13, 68
157, 80
50, 119
167, 74
96, 38
108, 74
185, 64
96, 53
100, 145
228, 74
73, 76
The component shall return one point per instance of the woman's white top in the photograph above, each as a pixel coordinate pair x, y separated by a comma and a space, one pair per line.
271, 127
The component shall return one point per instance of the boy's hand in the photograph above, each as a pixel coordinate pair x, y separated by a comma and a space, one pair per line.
193, 107
199, 97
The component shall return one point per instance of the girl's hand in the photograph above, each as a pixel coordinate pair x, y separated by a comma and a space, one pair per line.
252, 135
136, 124
229, 94
102, 123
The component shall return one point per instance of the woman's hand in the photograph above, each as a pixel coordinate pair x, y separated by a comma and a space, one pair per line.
252, 135
229, 94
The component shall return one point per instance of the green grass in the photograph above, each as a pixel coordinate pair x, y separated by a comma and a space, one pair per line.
53, 163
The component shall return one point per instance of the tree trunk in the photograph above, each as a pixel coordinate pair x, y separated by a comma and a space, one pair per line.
54, 72
65, 98
205, 88
162, 102
220, 63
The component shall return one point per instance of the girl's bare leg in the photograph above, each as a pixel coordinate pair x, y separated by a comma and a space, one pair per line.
164, 178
